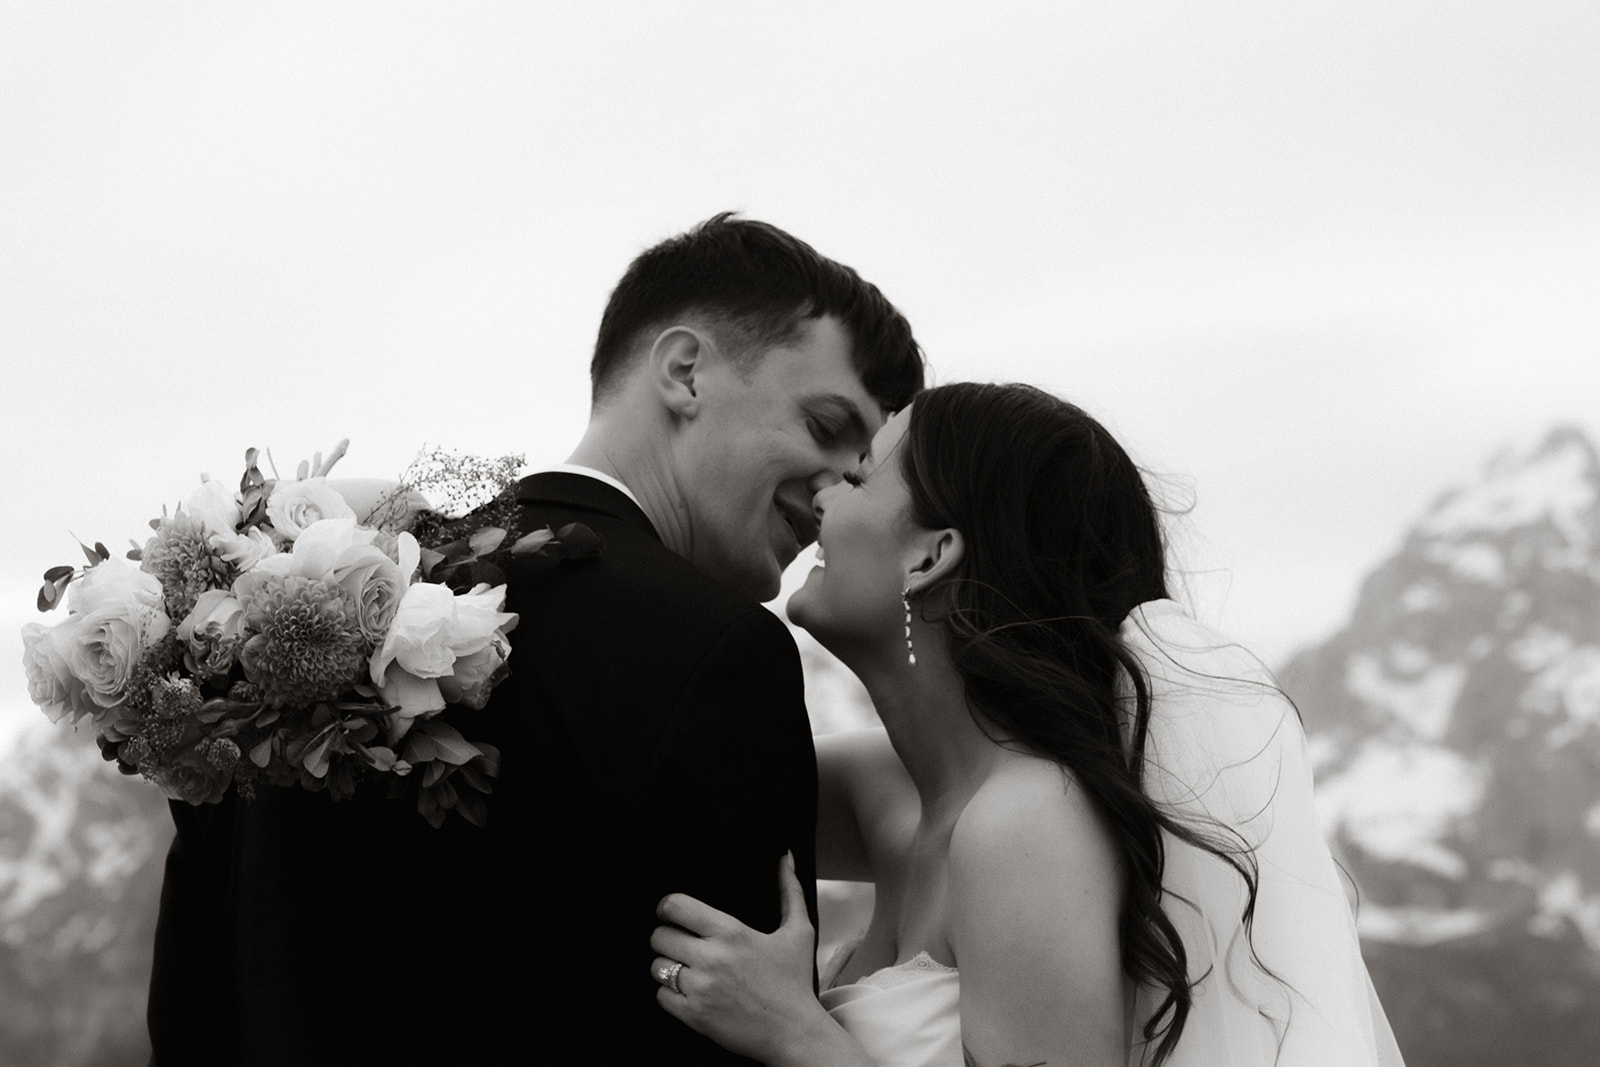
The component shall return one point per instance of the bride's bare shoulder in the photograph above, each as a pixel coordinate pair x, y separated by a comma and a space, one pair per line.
1030, 812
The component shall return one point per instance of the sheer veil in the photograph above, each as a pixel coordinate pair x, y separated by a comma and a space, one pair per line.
1225, 747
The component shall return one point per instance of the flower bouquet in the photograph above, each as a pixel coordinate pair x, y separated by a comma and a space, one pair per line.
292, 633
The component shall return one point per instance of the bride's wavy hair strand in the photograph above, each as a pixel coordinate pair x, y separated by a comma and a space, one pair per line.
1062, 542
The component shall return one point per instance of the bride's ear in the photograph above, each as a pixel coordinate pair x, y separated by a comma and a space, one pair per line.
940, 553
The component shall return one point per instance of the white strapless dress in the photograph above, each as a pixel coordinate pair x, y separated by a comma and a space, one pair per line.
1223, 745
907, 1015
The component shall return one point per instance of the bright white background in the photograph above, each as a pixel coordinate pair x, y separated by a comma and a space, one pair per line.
1312, 261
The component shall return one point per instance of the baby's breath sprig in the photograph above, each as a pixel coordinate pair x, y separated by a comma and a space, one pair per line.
454, 483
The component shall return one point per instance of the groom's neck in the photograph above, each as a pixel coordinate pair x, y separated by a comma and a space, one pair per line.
642, 467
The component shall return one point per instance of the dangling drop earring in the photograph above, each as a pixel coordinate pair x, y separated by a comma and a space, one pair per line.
911, 653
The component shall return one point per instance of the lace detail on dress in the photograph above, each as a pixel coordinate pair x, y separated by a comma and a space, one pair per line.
901, 973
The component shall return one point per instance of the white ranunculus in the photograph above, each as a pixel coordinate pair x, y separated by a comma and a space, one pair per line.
215, 506
313, 554
319, 547
210, 633
293, 506
59, 693
476, 675
113, 581
244, 550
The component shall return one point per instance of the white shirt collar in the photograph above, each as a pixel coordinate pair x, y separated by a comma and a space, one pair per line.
590, 472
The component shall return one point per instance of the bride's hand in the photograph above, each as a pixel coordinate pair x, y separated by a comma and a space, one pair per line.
749, 992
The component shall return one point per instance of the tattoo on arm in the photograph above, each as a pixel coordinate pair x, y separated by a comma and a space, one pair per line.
970, 1060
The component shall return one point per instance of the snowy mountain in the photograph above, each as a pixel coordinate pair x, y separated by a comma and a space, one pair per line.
81, 852
1454, 720
1455, 727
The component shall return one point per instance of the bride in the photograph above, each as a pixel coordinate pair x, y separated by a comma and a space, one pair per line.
1089, 819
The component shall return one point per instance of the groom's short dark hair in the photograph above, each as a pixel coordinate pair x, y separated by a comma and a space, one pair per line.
756, 286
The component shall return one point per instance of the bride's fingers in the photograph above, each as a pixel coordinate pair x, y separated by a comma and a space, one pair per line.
792, 894
680, 909
677, 945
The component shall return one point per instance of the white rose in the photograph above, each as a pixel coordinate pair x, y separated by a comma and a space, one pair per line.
113, 581
293, 506
375, 584
109, 643
59, 693
215, 506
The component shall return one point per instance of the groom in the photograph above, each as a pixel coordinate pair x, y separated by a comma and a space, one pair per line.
653, 730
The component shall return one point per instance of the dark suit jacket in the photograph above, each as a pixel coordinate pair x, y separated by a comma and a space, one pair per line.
654, 739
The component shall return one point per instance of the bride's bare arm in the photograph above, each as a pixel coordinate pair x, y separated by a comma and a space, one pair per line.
1035, 893
750, 992
861, 784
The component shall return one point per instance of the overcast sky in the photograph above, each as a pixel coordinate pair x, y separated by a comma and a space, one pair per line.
1310, 262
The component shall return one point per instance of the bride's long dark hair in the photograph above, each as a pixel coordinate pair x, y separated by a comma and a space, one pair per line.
1062, 542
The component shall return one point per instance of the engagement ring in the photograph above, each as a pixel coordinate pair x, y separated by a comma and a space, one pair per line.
668, 976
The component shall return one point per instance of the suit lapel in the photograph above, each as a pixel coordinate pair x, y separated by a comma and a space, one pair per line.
588, 494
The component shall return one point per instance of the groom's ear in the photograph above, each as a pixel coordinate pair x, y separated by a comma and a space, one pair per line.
939, 554
674, 361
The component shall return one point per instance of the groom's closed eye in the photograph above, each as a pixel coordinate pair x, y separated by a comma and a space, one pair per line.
835, 421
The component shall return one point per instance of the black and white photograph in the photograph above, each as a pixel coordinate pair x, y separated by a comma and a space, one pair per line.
847, 535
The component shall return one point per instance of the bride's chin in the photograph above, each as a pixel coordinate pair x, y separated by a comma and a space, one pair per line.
802, 611
795, 609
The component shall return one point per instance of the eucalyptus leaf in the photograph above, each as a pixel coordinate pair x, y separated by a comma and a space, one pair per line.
213, 711
486, 540
55, 574
473, 808
576, 541
316, 757
261, 753
448, 743
533, 543
430, 810
252, 479
488, 759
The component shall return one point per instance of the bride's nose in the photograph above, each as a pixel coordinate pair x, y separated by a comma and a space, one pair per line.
817, 498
